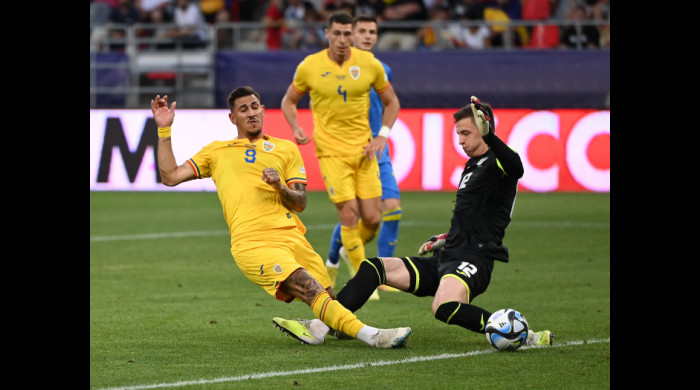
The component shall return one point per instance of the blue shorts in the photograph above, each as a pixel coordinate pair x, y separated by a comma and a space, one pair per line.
390, 188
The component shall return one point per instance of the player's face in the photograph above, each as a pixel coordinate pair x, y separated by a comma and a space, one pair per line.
339, 40
364, 36
469, 137
248, 116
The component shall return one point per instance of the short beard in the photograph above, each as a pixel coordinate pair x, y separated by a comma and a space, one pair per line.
254, 133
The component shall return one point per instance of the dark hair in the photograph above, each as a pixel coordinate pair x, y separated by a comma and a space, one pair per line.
340, 17
467, 112
239, 93
364, 18
464, 112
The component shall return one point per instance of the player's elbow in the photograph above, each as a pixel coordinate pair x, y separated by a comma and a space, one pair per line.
299, 206
168, 179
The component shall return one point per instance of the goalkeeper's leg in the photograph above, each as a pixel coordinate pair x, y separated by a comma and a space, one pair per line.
457, 289
463, 314
372, 273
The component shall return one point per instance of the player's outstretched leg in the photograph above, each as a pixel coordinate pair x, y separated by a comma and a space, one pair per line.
306, 331
314, 332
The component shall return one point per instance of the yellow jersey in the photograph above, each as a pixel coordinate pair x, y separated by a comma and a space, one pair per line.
340, 99
252, 208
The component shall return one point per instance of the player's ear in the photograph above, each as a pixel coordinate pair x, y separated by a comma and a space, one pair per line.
232, 118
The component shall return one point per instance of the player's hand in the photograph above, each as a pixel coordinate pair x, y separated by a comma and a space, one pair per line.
483, 116
163, 116
272, 177
301, 137
434, 242
374, 148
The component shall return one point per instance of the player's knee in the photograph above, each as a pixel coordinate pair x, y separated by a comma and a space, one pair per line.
374, 265
371, 222
446, 310
391, 204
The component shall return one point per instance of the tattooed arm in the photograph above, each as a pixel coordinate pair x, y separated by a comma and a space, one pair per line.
293, 197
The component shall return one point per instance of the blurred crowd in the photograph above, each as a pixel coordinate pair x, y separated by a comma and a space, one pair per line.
298, 24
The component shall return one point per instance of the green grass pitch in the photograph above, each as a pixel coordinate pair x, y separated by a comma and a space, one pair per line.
170, 309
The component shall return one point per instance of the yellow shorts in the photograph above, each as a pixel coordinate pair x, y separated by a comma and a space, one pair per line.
270, 262
350, 177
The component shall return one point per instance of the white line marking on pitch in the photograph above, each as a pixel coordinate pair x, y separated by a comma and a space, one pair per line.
339, 368
205, 233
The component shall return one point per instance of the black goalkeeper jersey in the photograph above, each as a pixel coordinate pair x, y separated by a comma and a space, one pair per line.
484, 205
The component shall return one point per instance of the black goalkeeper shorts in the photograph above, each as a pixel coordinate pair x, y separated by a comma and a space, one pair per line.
427, 272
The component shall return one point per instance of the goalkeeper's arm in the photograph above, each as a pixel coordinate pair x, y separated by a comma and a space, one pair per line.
485, 122
509, 158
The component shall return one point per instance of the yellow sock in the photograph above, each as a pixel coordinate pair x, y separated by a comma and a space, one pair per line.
335, 315
366, 234
350, 236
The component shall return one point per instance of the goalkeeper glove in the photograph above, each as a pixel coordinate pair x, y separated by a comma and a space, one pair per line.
434, 242
483, 116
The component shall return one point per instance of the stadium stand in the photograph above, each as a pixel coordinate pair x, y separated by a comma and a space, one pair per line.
149, 64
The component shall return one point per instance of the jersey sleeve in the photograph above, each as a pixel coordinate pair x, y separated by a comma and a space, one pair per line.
295, 170
201, 162
507, 157
300, 80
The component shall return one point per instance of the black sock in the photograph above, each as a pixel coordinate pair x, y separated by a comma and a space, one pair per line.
358, 289
463, 314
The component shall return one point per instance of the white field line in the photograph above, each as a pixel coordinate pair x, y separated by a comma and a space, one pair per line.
340, 368
149, 236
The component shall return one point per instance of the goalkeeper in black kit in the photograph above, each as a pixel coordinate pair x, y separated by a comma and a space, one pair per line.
462, 259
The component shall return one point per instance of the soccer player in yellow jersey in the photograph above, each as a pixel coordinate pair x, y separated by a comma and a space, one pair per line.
338, 81
261, 183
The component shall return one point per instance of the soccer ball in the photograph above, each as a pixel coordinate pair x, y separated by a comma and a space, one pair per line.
507, 330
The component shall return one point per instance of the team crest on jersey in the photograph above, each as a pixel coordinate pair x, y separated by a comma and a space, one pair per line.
355, 72
277, 268
268, 146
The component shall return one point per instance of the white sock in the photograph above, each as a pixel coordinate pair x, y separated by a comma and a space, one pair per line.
532, 338
368, 334
318, 328
329, 264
